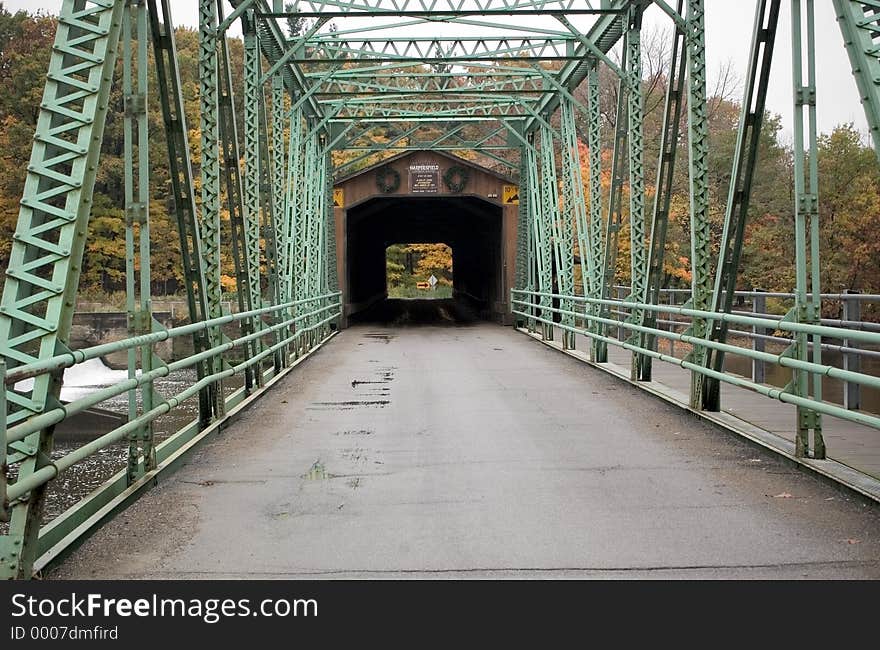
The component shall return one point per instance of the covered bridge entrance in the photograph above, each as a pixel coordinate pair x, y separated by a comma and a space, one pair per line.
428, 197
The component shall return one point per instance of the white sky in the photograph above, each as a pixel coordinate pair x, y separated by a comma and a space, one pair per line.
728, 33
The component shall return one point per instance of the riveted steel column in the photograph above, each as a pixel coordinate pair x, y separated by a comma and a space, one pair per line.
332, 280
597, 224
269, 228
744, 164
662, 196
859, 24
45, 260
252, 96
698, 149
231, 159
573, 204
137, 198
522, 235
635, 118
612, 223
806, 215
278, 180
540, 239
209, 223
182, 178
559, 226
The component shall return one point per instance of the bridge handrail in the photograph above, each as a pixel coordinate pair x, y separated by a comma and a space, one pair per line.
864, 297
48, 472
73, 357
790, 326
8, 435
780, 359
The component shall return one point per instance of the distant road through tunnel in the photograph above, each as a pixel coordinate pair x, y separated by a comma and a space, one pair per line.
469, 225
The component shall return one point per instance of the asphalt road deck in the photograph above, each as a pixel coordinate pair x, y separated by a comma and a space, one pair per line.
472, 451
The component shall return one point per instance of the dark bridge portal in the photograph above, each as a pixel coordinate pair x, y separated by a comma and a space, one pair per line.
470, 225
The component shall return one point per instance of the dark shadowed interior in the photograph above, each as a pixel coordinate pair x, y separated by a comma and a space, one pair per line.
468, 224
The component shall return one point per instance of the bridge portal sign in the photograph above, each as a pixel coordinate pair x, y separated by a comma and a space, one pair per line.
424, 178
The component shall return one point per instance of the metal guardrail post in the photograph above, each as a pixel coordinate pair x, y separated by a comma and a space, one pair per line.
852, 392
671, 327
619, 316
759, 306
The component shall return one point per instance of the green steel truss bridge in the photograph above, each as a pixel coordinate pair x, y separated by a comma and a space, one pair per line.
437, 67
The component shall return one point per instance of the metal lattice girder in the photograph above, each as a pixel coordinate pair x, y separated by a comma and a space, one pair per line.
231, 172
320, 49
268, 228
744, 163
390, 108
599, 348
859, 22
573, 204
141, 453
663, 194
363, 138
521, 273
273, 44
593, 287
561, 225
604, 34
540, 233
292, 275
182, 182
431, 84
638, 257
251, 215
331, 279
635, 117
36, 309
209, 222
698, 150
278, 179
342, 8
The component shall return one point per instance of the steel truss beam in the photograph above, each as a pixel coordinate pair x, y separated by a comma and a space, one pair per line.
253, 95
141, 452
38, 299
323, 49
744, 163
698, 160
807, 308
663, 195
182, 183
599, 349
859, 22
343, 8
635, 114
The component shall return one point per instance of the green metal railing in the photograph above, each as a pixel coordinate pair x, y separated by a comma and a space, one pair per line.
532, 310
298, 327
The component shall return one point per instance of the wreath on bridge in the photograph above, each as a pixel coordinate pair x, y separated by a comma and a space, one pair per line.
387, 180
456, 178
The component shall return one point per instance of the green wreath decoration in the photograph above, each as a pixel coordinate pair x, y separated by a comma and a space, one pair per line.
387, 180
456, 178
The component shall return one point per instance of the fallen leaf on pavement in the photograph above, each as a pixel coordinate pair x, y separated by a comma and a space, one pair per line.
782, 495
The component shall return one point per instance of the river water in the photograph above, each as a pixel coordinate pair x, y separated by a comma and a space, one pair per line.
83, 379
